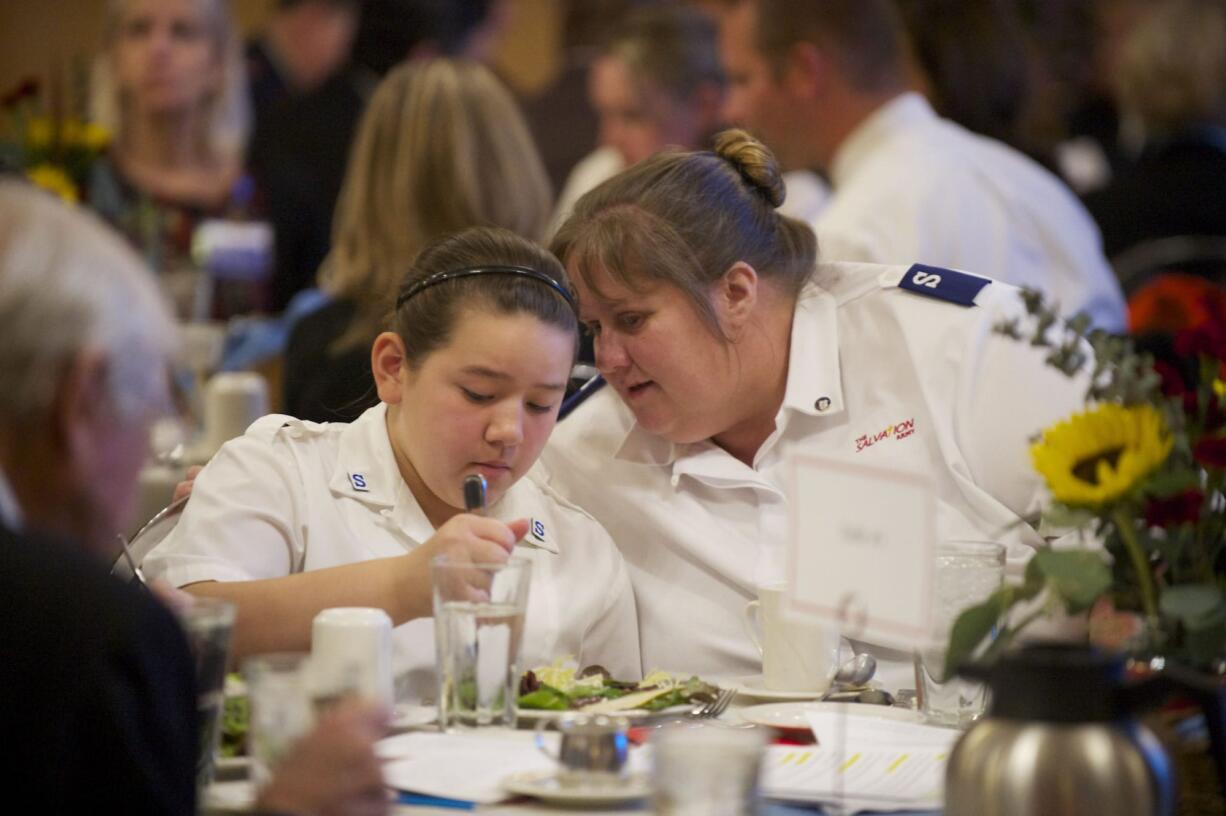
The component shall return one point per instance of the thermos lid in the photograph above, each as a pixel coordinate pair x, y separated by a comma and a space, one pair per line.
1053, 682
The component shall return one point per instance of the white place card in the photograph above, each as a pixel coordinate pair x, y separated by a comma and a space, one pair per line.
860, 550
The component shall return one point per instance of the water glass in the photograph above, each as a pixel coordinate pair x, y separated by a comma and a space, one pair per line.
280, 693
706, 770
965, 574
478, 628
208, 623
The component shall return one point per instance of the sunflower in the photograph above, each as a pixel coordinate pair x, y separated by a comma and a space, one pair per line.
1095, 457
52, 178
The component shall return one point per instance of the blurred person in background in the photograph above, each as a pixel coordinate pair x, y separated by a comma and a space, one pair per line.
1172, 83
97, 673
441, 147
306, 98
658, 83
170, 87
826, 85
972, 63
299, 152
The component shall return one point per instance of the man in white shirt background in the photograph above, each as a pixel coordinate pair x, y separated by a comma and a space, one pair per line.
826, 85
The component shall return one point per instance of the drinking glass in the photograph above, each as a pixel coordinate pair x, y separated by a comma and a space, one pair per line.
478, 628
965, 574
208, 623
279, 690
706, 771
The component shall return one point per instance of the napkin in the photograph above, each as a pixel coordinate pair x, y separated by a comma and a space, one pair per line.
466, 767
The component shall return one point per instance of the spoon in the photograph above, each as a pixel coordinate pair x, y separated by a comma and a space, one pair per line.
857, 671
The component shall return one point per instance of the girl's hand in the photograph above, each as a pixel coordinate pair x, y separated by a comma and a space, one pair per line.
470, 539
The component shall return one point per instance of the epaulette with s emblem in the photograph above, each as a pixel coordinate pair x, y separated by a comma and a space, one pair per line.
944, 284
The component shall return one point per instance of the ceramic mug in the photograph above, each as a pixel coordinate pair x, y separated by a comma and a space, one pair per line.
351, 653
796, 655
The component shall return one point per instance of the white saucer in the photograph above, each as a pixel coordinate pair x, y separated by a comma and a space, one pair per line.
794, 716
406, 715
754, 686
544, 785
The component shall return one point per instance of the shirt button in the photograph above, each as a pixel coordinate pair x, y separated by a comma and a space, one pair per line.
822, 403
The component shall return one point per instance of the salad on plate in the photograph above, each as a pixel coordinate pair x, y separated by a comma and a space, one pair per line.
561, 687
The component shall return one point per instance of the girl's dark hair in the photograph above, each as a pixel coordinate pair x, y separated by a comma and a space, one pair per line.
426, 320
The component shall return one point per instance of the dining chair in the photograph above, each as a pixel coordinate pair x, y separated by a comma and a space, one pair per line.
147, 537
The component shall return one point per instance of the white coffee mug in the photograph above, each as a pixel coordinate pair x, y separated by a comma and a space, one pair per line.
232, 401
796, 655
351, 652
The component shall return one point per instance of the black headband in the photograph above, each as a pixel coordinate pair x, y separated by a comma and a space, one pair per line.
468, 272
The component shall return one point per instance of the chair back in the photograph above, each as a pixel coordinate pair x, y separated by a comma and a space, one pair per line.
148, 537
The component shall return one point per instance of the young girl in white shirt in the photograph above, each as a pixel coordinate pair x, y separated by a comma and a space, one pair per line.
295, 517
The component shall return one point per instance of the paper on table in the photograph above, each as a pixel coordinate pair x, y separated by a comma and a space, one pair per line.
861, 763
469, 767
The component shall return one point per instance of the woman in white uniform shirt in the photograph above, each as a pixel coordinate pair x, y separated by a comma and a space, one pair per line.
728, 353
295, 517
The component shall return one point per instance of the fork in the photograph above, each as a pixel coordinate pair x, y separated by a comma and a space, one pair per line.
716, 707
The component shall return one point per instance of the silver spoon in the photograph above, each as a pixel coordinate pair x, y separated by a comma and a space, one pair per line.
857, 671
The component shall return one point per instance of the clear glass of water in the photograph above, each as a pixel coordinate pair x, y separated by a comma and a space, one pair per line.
279, 689
478, 629
706, 770
965, 574
208, 623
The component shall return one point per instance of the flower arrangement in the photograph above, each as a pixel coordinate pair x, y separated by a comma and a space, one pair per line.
54, 152
1142, 471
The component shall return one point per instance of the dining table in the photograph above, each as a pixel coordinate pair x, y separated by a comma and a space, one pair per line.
231, 793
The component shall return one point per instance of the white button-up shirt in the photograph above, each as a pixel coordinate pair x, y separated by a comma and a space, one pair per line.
700, 529
291, 496
912, 187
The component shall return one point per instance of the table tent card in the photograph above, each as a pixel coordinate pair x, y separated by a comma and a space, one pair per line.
859, 553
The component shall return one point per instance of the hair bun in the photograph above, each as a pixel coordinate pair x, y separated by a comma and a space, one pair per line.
754, 162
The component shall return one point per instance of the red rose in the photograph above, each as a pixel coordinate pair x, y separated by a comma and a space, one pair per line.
1172, 381
1210, 451
1175, 510
1207, 338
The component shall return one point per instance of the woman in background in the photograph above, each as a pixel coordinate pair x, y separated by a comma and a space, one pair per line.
169, 85
442, 146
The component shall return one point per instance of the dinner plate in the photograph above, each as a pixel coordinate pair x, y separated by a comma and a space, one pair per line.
794, 716
406, 716
544, 785
754, 686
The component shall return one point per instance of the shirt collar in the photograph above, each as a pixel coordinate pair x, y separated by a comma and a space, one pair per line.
902, 113
365, 464
814, 386
366, 471
10, 509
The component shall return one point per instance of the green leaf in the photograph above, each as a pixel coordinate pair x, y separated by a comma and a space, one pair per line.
1172, 483
974, 625
1195, 605
1077, 577
546, 698
1064, 517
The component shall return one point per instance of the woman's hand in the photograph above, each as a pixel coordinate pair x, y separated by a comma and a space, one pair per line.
184, 488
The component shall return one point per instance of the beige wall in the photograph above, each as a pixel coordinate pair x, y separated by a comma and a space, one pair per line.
43, 37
